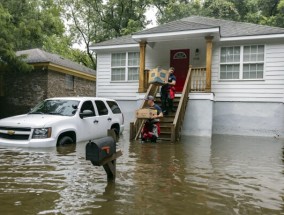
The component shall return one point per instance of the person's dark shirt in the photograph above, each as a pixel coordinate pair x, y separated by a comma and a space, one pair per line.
165, 88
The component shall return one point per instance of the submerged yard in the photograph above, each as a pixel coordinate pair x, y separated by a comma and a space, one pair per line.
225, 175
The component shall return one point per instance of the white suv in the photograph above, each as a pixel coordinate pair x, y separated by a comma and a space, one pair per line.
59, 121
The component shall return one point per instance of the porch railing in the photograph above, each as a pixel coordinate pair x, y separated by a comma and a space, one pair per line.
198, 79
136, 126
180, 113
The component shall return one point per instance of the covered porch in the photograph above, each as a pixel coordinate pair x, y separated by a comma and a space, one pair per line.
156, 51
191, 56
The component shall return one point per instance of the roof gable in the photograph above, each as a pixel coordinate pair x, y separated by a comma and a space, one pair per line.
175, 26
39, 56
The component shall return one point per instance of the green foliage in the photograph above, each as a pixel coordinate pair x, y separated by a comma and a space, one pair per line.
63, 47
267, 12
24, 25
174, 10
221, 9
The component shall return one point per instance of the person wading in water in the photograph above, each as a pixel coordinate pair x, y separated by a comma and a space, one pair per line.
151, 129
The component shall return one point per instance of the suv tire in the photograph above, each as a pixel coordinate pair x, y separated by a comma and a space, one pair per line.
64, 141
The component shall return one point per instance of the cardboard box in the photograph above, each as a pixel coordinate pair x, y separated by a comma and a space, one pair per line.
145, 113
158, 76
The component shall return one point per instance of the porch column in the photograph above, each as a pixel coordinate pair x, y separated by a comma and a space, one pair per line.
208, 62
141, 88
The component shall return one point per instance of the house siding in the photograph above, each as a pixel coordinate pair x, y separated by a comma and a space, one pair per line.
270, 89
116, 90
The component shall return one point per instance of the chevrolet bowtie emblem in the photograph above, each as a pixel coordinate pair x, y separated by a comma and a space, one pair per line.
10, 132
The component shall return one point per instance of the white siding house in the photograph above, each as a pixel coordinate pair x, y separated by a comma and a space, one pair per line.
246, 95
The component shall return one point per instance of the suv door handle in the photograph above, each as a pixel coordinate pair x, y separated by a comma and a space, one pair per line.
109, 119
96, 121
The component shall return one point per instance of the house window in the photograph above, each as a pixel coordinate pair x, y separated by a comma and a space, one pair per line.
230, 63
253, 62
69, 82
242, 62
125, 66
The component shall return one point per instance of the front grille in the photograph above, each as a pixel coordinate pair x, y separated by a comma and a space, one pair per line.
14, 136
15, 133
15, 129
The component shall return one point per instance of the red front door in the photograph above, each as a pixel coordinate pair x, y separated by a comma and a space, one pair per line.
180, 61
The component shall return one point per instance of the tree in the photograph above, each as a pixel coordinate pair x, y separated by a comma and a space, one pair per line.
92, 21
221, 9
24, 25
63, 47
173, 9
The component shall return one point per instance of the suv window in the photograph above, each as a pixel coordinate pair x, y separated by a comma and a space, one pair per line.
88, 105
114, 107
102, 109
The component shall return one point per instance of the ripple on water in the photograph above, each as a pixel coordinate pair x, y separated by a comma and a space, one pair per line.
228, 175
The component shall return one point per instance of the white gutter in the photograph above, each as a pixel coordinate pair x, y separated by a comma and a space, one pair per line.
257, 37
115, 46
176, 33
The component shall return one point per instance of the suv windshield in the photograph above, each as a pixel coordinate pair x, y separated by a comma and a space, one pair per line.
56, 107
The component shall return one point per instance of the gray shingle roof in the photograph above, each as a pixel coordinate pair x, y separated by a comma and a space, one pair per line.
117, 41
227, 29
235, 29
40, 56
175, 26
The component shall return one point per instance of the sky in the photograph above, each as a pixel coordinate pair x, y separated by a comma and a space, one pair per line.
151, 15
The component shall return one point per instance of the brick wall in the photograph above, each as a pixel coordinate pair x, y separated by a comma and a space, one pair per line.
22, 91
57, 87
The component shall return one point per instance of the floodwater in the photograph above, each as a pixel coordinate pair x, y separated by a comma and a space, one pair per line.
225, 175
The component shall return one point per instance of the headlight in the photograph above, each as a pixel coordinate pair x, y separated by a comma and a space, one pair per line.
41, 133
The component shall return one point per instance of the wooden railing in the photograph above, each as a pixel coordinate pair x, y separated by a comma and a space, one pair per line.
198, 79
180, 113
136, 126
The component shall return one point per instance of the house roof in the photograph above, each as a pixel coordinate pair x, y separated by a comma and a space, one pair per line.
227, 29
175, 26
236, 29
117, 41
39, 56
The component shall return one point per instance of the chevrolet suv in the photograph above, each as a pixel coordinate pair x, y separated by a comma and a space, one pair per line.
60, 121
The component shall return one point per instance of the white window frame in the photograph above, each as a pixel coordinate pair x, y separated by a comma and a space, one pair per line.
126, 67
242, 63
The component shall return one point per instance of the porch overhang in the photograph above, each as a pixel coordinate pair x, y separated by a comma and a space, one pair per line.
122, 46
168, 36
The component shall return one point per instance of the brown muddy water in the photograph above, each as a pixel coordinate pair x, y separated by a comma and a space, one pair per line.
225, 175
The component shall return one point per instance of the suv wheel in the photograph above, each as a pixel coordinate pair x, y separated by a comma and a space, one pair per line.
64, 141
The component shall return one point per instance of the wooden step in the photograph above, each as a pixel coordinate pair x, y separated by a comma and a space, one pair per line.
167, 119
165, 129
165, 136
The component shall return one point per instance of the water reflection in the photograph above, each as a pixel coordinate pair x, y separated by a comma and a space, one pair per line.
66, 149
222, 175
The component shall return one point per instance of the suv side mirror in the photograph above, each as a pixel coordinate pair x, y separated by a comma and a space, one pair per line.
86, 113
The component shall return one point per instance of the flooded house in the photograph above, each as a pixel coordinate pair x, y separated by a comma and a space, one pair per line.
230, 76
51, 76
